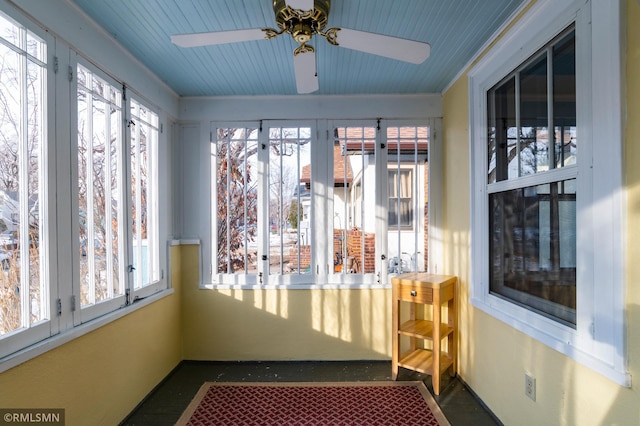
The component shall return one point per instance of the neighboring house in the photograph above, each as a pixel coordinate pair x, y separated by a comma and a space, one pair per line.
9, 209
9, 213
354, 171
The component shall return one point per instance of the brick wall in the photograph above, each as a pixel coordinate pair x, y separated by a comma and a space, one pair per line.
305, 257
354, 250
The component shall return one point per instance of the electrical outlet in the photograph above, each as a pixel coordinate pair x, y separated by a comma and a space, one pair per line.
530, 386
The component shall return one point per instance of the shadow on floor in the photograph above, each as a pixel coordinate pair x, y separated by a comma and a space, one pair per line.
165, 404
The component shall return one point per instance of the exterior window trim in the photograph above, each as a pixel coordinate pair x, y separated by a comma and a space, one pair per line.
413, 172
599, 340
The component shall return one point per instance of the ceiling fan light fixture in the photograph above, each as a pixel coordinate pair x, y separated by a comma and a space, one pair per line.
302, 31
288, 16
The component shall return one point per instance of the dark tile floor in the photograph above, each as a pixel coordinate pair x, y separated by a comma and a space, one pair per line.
165, 404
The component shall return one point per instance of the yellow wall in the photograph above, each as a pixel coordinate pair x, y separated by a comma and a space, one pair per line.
493, 356
283, 324
100, 377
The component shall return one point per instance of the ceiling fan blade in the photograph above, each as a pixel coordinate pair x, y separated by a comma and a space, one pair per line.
401, 49
218, 37
304, 64
300, 4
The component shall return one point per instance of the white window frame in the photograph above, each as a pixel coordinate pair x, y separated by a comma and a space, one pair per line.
599, 339
22, 337
210, 251
154, 263
126, 257
405, 168
321, 275
417, 230
83, 314
261, 278
293, 279
370, 280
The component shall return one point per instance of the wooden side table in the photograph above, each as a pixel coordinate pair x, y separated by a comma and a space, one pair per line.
421, 288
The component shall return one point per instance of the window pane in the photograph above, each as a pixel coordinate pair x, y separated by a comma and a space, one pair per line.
144, 195
502, 138
353, 200
24, 298
519, 139
11, 32
408, 177
100, 177
290, 245
36, 47
533, 248
400, 183
237, 196
564, 100
534, 121
12, 304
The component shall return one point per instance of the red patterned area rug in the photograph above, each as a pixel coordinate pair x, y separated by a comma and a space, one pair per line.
317, 403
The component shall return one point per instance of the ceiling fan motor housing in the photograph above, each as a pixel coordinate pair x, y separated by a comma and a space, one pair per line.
302, 24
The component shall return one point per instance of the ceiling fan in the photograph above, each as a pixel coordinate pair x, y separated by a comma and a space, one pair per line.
303, 19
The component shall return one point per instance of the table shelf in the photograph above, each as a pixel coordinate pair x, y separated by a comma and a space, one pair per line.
421, 360
423, 329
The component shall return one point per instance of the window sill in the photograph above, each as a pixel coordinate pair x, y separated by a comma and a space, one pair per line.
567, 344
295, 287
58, 340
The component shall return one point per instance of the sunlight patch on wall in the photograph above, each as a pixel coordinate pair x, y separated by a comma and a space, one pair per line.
331, 313
375, 310
273, 302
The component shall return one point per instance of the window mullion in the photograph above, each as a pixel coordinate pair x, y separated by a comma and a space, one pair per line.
108, 200
263, 205
551, 144
397, 205
416, 197
138, 204
518, 127
280, 205
90, 250
229, 205
381, 201
245, 200
297, 212
363, 209
122, 169
23, 190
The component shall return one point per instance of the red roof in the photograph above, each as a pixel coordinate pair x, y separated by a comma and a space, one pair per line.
339, 165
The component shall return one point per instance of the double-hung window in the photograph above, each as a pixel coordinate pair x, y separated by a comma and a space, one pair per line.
547, 224
531, 181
